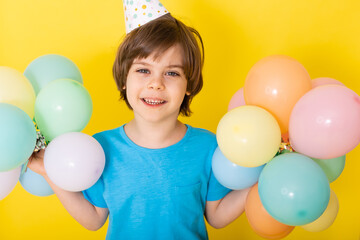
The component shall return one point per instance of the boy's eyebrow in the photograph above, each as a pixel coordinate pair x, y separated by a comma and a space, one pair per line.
176, 66
141, 63
147, 64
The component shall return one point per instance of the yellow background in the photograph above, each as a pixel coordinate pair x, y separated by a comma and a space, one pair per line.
324, 35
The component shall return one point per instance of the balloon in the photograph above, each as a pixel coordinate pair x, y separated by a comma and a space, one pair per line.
324, 81
74, 161
325, 122
232, 175
47, 68
327, 218
294, 189
62, 106
237, 99
248, 136
15, 89
260, 220
17, 137
35, 184
332, 167
276, 83
8, 181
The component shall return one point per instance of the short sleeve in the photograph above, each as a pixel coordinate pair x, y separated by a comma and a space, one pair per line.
216, 191
94, 194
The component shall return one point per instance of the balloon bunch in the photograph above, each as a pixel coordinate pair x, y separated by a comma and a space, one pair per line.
50, 93
17, 132
315, 123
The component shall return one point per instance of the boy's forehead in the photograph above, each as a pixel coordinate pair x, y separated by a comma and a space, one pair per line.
171, 56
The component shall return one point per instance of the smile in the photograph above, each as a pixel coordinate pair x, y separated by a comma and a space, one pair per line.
153, 101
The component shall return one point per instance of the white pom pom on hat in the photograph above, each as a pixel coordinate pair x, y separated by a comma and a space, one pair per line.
140, 12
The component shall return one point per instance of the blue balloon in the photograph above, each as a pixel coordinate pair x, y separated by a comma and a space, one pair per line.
47, 68
231, 175
17, 137
35, 184
294, 189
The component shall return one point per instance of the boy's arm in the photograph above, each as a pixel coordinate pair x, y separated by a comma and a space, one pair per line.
89, 216
222, 212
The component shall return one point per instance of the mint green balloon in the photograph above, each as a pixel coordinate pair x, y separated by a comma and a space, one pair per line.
62, 106
17, 137
294, 189
332, 167
47, 68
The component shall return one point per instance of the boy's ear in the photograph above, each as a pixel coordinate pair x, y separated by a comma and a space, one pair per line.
124, 87
187, 93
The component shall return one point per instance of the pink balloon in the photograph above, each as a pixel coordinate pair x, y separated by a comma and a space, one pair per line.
325, 81
325, 122
237, 99
74, 161
8, 181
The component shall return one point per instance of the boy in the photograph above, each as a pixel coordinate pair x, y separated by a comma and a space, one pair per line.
157, 182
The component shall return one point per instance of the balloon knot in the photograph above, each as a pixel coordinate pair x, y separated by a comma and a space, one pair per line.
41, 143
285, 147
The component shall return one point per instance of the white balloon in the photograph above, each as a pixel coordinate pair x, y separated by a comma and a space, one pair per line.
8, 181
74, 161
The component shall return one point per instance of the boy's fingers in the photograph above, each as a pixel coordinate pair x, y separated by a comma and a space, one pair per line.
33, 156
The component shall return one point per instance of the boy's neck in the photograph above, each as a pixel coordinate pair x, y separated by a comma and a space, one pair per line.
155, 135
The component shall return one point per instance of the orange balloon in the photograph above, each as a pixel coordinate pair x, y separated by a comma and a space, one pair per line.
260, 220
276, 83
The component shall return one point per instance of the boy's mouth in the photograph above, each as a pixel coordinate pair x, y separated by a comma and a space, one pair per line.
152, 101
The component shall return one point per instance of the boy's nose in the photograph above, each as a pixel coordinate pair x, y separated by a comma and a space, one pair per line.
156, 83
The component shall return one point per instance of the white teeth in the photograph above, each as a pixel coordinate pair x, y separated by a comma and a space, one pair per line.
153, 102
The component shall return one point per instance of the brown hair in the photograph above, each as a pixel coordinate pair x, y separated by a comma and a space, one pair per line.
156, 37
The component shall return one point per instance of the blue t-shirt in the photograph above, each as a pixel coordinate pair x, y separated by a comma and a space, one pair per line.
156, 193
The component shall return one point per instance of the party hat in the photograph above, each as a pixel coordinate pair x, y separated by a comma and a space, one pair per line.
139, 12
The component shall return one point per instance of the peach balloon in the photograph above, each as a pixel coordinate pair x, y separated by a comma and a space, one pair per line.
276, 83
260, 220
325, 81
237, 99
325, 122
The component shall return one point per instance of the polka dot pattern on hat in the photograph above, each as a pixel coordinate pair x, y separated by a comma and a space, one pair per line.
140, 12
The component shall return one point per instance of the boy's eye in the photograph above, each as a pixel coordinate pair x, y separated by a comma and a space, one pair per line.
143, 71
172, 74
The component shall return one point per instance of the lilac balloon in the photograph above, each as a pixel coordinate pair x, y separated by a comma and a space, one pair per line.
325, 122
8, 181
237, 99
74, 161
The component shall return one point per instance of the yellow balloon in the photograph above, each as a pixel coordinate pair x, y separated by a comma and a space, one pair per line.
327, 218
248, 136
15, 89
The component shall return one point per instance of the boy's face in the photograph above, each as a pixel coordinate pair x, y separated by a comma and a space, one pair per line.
155, 89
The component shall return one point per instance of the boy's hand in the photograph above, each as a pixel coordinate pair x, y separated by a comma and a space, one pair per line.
36, 162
